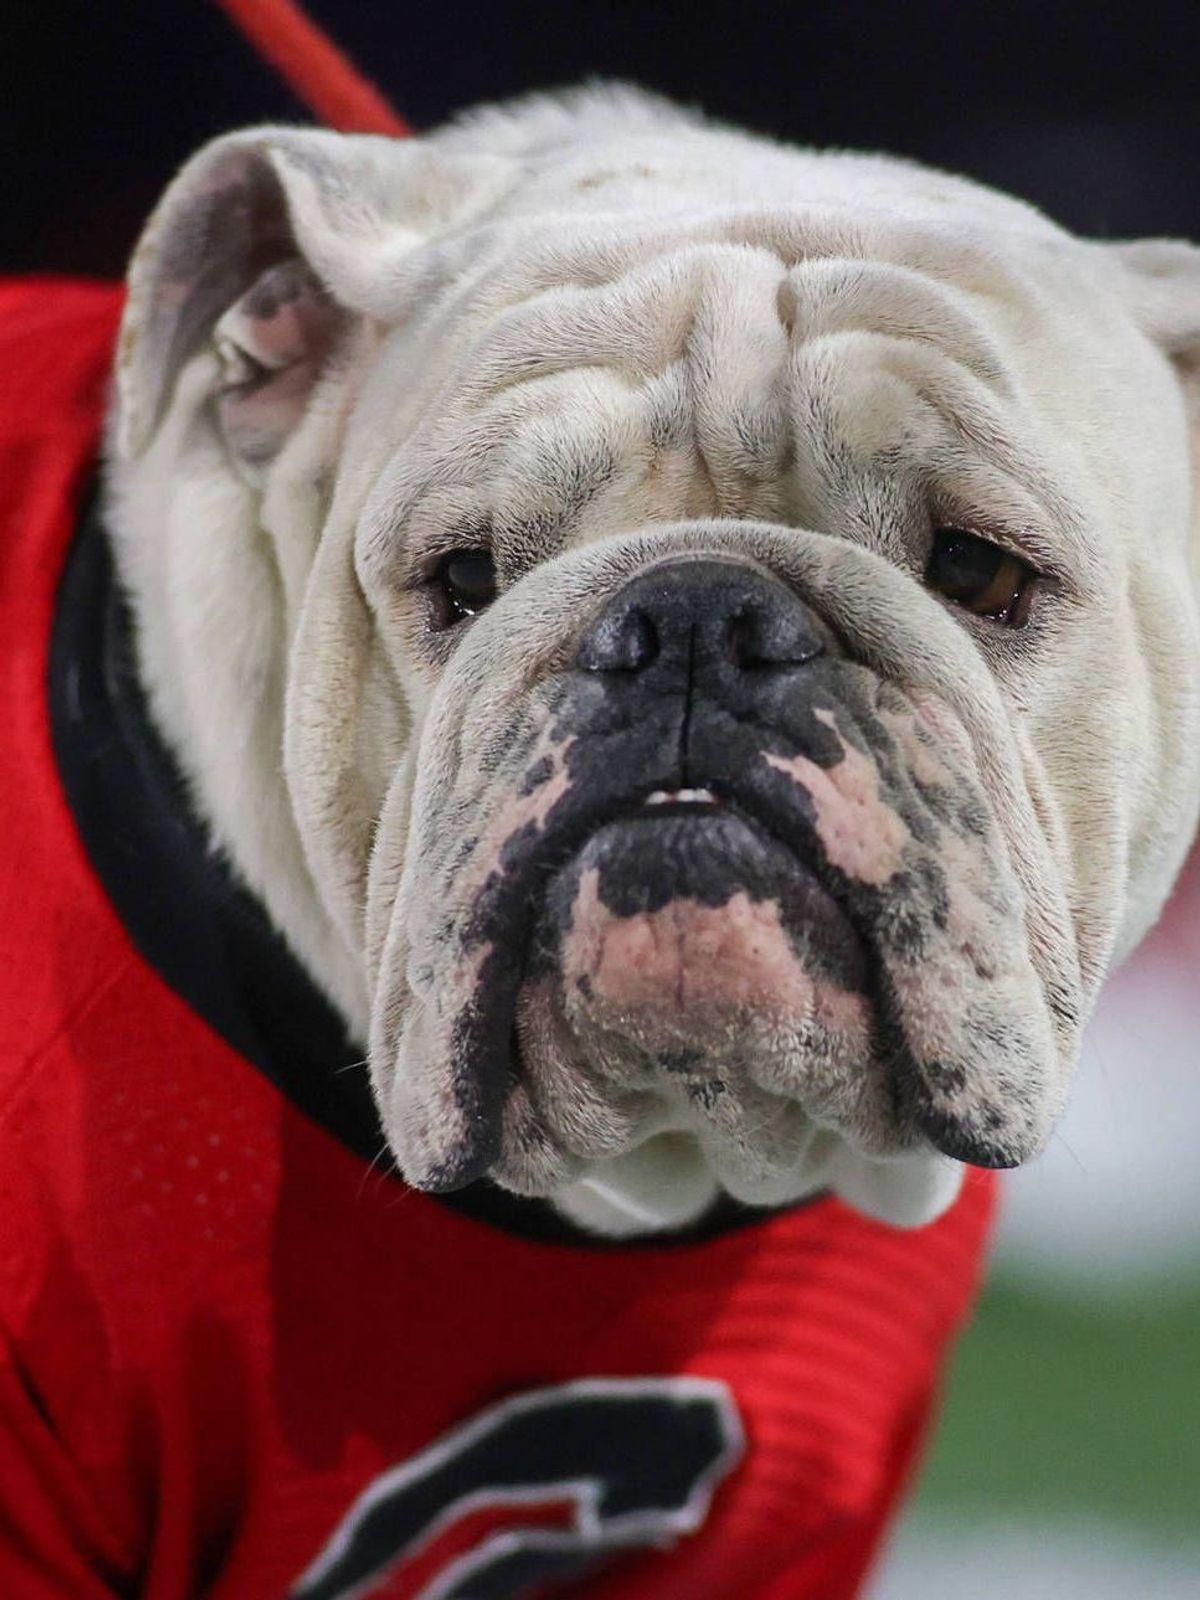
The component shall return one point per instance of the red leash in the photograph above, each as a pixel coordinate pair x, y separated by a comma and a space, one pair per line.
316, 70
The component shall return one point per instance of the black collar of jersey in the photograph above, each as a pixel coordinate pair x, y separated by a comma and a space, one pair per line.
204, 934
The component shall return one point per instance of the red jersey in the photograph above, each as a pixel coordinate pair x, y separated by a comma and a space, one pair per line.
239, 1360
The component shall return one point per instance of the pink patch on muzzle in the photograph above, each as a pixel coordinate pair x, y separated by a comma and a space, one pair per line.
686, 960
861, 834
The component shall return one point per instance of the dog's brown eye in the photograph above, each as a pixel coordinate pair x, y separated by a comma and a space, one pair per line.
463, 582
980, 576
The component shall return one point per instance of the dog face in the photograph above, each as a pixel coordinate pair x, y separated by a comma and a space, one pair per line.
727, 616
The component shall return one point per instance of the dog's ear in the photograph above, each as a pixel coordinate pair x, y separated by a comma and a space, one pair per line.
267, 245
1163, 288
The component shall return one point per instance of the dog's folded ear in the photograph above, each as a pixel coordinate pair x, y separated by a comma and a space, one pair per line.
267, 245
1163, 284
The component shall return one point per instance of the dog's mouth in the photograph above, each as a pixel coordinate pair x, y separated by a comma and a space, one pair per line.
682, 929
673, 854
666, 846
695, 845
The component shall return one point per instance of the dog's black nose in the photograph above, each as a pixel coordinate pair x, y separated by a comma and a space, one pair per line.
703, 615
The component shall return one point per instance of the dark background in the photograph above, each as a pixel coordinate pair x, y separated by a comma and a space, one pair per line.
1090, 110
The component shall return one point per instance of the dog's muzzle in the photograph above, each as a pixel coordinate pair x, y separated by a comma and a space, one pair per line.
691, 919
727, 881
683, 904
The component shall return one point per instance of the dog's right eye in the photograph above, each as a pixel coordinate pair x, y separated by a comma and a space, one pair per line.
463, 583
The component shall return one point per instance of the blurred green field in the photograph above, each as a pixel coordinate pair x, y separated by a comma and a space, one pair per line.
1061, 1407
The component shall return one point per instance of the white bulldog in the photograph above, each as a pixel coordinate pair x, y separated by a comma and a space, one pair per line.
693, 641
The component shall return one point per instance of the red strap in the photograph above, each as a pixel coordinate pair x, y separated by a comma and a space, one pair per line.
314, 67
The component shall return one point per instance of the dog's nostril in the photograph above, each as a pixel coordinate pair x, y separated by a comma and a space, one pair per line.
623, 641
775, 639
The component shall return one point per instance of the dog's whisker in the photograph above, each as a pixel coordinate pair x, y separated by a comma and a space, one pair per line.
1061, 1139
375, 1169
349, 1066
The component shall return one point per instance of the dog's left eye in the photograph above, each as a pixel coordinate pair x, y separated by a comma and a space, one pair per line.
463, 583
980, 576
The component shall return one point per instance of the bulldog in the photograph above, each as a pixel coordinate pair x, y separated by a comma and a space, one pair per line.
692, 641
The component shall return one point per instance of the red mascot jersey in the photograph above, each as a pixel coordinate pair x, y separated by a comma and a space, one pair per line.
241, 1362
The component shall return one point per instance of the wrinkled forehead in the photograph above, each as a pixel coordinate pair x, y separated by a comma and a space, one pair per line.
626, 285
750, 365
525, 299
